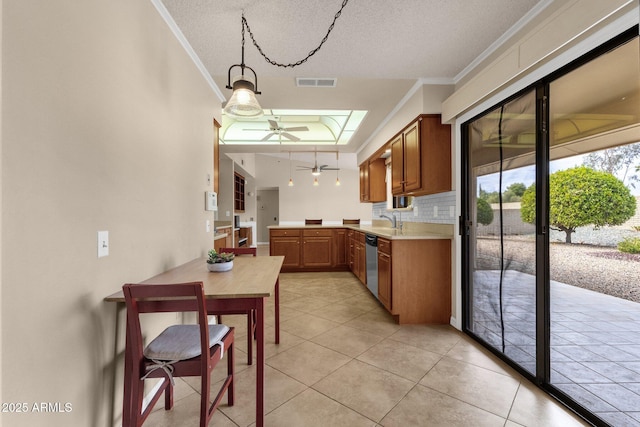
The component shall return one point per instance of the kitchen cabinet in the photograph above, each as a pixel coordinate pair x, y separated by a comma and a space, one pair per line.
421, 157
286, 242
310, 249
317, 248
360, 257
340, 248
372, 181
246, 236
238, 192
420, 285
384, 273
350, 249
216, 156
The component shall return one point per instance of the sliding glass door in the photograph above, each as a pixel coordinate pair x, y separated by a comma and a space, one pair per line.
502, 255
551, 178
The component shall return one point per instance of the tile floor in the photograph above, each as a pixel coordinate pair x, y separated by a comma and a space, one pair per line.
342, 361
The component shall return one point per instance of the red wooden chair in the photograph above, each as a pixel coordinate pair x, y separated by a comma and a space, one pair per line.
251, 315
179, 351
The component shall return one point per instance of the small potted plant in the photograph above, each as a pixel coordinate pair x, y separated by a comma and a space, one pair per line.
222, 261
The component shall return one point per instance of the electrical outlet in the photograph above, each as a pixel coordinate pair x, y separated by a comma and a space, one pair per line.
103, 244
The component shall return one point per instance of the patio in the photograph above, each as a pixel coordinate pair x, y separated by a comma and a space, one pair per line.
595, 340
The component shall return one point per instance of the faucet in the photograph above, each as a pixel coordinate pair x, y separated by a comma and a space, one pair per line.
392, 218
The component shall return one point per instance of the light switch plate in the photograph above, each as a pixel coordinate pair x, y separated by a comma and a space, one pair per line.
103, 244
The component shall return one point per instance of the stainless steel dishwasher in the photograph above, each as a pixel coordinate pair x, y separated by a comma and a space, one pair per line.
371, 241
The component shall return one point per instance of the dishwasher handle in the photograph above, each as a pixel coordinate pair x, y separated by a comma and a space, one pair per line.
371, 239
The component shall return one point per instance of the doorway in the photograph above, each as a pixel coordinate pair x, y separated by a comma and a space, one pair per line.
268, 206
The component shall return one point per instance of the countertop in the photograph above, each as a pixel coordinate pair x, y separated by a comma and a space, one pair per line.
410, 231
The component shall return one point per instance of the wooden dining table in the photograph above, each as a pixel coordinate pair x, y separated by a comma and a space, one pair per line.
243, 288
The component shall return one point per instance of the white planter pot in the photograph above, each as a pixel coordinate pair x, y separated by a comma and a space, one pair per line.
221, 266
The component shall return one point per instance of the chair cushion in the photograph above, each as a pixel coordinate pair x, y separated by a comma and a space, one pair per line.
182, 342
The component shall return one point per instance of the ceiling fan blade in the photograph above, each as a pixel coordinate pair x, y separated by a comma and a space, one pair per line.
273, 124
303, 168
268, 136
296, 129
330, 169
289, 136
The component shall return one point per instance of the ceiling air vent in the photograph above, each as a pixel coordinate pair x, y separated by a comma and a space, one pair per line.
314, 82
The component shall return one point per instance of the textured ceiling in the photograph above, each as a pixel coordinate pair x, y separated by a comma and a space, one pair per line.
377, 50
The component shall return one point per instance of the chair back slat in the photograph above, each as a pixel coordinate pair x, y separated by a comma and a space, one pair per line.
138, 294
240, 251
350, 221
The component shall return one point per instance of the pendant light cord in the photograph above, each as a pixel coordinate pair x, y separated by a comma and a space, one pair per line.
293, 64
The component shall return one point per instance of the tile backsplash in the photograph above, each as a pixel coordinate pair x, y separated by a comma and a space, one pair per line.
435, 208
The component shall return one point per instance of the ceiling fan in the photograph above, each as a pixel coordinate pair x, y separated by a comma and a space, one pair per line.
275, 129
315, 169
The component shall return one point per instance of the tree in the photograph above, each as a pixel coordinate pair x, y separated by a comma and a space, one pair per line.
514, 192
582, 196
618, 161
484, 215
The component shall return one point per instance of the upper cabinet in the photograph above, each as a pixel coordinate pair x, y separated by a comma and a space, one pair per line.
421, 158
420, 162
216, 156
372, 185
238, 192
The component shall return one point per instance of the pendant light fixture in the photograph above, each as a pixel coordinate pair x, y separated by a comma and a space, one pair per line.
243, 102
337, 169
290, 178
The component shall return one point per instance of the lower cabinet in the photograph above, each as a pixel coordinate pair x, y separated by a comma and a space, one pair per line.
420, 284
317, 247
286, 243
384, 273
311, 249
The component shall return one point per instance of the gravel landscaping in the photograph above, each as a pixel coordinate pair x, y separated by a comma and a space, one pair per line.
592, 261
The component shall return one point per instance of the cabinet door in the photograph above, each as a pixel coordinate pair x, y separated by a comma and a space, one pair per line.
412, 158
287, 246
362, 262
316, 251
384, 279
340, 248
351, 250
377, 178
364, 182
397, 165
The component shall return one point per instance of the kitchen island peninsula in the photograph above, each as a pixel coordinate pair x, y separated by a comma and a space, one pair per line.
407, 269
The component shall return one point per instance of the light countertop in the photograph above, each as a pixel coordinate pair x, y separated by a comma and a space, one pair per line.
409, 230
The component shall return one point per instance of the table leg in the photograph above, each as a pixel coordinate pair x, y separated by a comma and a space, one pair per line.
277, 302
260, 363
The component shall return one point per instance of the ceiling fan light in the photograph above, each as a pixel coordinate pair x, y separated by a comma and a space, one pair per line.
315, 171
243, 102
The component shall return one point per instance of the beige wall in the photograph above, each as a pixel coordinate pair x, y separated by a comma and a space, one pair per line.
303, 200
107, 126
